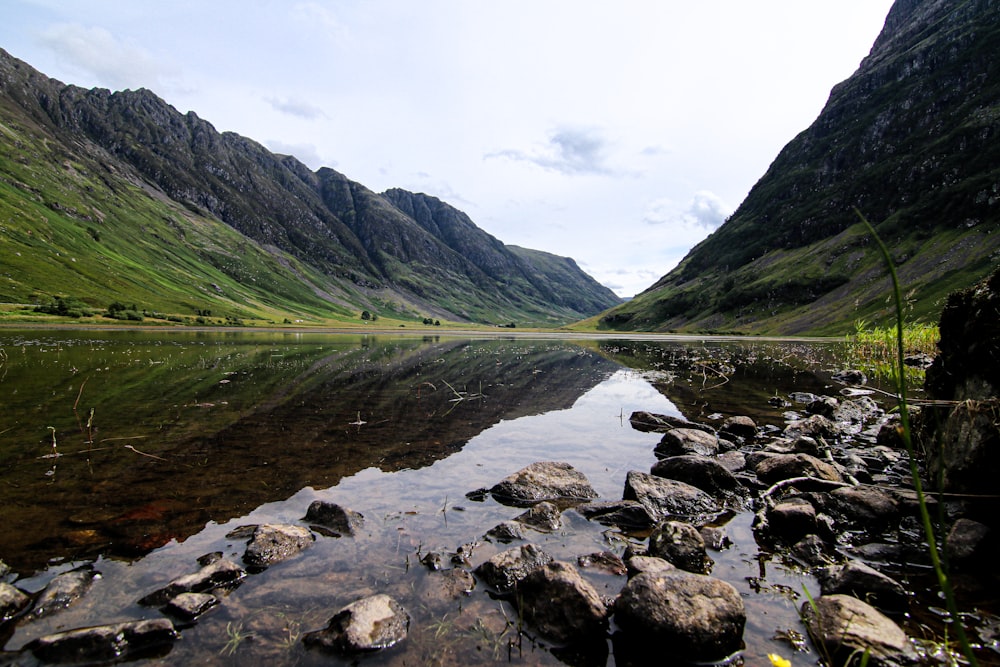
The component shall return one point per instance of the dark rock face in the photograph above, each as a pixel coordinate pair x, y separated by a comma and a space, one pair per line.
273, 543
333, 519
698, 617
545, 480
843, 624
561, 605
106, 643
370, 624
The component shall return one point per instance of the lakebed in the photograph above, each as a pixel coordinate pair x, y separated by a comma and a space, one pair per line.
137, 452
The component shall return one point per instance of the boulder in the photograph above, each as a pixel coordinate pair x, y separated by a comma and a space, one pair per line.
969, 542
333, 520
740, 426
189, 606
639, 564
790, 520
560, 604
865, 583
222, 572
106, 643
506, 531
865, 505
370, 624
705, 473
680, 544
775, 468
669, 499
504, 570
814, 426
843, 625
273, 543
12, 601
687, 441
628, 514
694, 616
546, 480
64, 590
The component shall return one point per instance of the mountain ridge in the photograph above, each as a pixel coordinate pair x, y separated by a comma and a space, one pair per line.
353, 248
910, 142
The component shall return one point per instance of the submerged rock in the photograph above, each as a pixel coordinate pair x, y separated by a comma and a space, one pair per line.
64, 590
546, 480
222, 572
105, 643
273, 543
189, 606
694, 616
370, 624
332, 519
544, 516
560, 604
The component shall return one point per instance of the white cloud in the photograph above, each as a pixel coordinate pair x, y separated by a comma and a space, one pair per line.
568, 151
705, 211
97, 52
307, 154
296, 107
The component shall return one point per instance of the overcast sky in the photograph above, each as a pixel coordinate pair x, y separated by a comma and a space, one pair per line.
617, 133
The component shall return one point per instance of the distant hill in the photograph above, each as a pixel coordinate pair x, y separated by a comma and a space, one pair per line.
912, 141
115, 196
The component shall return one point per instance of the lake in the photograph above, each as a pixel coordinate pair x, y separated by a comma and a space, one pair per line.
140, 451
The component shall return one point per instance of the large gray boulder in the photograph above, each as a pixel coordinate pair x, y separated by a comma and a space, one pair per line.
545, 480
693, 616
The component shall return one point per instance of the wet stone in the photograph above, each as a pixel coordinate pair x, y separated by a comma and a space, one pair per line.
370, 624
106, 643
622, 513
12, 601
606, 561
223, 572
652, 564
703, 472
843, 625
680, 544
189, 606
667, 498
786, 466
508, 531
546, 480
557, 602
863, 582
687, 441
333, 520
544, 517
740, 426
64, 590
504, 570
273, 543
792, 519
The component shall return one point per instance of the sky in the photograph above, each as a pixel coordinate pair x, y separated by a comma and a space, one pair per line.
616, 133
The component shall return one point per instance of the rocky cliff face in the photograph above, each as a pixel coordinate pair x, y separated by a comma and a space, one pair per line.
411, 250
912, 141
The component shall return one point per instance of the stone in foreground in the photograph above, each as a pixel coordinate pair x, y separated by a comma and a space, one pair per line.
370, 624
106, 643
561, 605
696, 616
843, 625
504, 570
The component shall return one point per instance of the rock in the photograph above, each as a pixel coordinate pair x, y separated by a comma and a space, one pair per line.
812, 551
965, 448
223, 572
786, 466
370, 624
332, 519
668, 499
865, 505
865, 583
740, 426
448, 585
639, 564
815, 426
105, 643
649, 422
12, 601
732, 461
622, 513
608, 561
680, 544
694, 616
850, 376
273, 543
560, 604
504, 570
790, 520
969, 542
842, 624
823, 405
705, 473
189, 606
544, 516
545, 480
687, 441
64, 590
715, 538
508, 531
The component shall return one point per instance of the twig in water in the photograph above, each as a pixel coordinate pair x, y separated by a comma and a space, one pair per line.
144, 453
80, 393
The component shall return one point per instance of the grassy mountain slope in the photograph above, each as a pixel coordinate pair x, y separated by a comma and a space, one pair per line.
912, 140
117, 196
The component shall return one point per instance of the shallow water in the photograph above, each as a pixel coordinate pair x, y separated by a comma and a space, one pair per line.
139, 451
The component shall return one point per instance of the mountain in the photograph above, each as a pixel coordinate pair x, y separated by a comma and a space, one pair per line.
912, 142
116, 196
